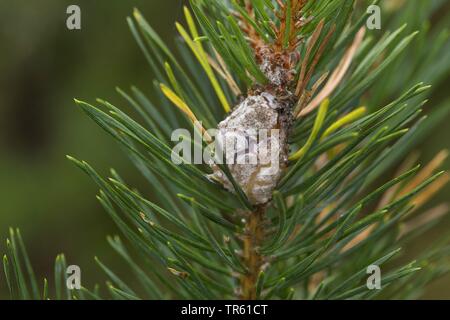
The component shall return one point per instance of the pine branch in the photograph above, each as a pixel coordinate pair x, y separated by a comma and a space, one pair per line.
331, 208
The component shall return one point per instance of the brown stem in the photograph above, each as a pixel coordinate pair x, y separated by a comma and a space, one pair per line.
252, 259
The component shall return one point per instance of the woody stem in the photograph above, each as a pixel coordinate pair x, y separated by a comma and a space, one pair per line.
252, 259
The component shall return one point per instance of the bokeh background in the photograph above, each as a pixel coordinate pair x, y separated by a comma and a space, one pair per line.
43, 66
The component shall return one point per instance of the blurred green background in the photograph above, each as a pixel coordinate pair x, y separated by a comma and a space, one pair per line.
43, 66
